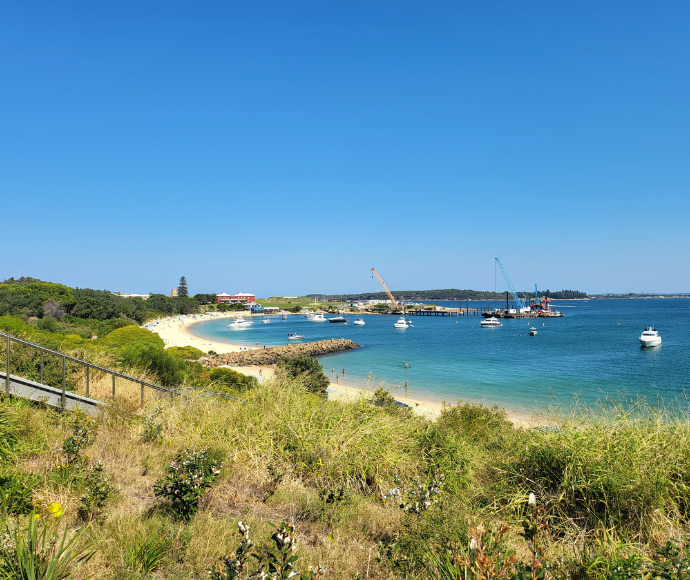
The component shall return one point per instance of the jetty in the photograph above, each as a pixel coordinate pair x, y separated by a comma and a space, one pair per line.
270, 356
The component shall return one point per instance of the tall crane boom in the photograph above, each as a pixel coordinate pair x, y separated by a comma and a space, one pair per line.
383, 285
518, 301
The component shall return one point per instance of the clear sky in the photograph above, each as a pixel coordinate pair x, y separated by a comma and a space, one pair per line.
287, 147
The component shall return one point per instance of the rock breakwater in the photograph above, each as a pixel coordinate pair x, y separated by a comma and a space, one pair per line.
270, 356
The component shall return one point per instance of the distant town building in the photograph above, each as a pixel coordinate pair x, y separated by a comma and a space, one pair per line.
173, 293
127, 295
239, 298
290, 297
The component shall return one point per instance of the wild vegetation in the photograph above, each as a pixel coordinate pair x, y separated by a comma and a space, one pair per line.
364, 490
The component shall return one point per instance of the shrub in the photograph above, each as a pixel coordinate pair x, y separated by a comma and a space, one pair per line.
188, 477
97, 490
273, 561
169, 368
382, 398
232, 379
185, 352
83, 433
129, 336
308, 371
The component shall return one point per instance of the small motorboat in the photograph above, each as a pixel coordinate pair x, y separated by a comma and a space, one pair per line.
359, 322
239, 321
533, 331
284, 316
492, 322
265, 321
295, 336
336, 319
650, 337
402, 323
317, 317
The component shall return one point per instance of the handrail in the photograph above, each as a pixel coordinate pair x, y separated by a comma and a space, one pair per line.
89, 366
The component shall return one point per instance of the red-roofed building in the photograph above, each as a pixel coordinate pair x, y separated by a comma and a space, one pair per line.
239, 298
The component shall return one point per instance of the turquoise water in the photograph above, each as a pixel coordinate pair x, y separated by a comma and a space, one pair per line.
590, 353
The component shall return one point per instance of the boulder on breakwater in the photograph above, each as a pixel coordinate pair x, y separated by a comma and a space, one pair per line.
270, 356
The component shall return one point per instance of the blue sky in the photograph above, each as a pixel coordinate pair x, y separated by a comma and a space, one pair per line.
284, 148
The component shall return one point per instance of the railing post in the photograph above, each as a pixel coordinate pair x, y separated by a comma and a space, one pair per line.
88, 369
113, 385
64, 364
142, 394
7, 368
41, 381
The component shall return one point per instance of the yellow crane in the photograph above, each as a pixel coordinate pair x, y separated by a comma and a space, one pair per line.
390, 296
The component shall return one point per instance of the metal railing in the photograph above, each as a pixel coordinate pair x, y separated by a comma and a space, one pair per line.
198, 391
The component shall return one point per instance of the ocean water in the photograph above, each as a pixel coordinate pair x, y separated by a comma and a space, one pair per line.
589, 354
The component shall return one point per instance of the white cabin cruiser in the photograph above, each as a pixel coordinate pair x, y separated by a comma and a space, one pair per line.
239, 321
402, 323
265, 321
359, 322
533, 331
650, 337
295, 336
492, 322
318, 317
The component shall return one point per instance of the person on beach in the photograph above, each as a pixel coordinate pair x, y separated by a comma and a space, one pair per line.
405, 386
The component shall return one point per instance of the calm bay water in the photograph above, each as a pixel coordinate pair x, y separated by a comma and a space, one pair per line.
591, 352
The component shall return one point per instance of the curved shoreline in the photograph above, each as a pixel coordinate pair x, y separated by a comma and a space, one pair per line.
176, 331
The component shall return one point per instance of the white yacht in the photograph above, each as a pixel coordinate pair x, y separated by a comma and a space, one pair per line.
650, 337
533, 331
402, 323
295, 336
492, 322
239, 321
284, 316
318, 317
359, 322
265, 321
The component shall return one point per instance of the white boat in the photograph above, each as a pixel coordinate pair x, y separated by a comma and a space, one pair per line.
492, 322
359, 322
295, 336
533, 331
402, 323
650, 337
265, 321
318, 317
284, 316
239, 321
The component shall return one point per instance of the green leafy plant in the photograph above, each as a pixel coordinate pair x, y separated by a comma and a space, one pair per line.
188, 477
40, 552
83, 433
152, 426
97, 490
147, 556
421, 496
8, 433
273, 561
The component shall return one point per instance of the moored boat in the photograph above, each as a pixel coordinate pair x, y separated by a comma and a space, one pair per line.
295, 336
533, 331
492, 322
402, 323
650, 337
359, 322
337, 319
239, 321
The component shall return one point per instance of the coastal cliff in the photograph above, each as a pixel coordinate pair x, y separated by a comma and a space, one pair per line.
270, 356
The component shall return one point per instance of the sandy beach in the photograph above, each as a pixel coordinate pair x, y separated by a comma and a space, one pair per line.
175, 332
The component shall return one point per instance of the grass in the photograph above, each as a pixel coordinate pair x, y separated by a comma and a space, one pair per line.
612, 485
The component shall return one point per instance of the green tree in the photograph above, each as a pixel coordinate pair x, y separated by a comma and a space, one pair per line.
308, 370
182, 291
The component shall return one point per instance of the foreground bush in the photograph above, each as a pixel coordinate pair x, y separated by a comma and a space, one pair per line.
188, 477
308, 371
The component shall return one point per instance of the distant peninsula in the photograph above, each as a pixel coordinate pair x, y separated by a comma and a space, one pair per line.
447, 294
